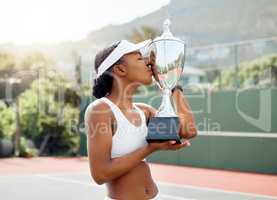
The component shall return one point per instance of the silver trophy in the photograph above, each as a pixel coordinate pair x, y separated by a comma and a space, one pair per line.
168, 54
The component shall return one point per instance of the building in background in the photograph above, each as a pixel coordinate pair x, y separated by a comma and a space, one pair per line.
192, 75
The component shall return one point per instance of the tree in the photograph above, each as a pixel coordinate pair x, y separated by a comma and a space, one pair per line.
49, 114
144, 33
260, 71
16, 73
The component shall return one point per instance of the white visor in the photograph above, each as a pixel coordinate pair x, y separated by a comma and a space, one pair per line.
124, 47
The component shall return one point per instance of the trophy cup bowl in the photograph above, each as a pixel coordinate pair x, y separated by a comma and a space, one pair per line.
168, 55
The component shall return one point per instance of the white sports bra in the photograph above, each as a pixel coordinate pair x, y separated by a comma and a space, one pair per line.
127, 137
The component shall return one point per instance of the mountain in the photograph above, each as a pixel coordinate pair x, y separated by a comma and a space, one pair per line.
202, 22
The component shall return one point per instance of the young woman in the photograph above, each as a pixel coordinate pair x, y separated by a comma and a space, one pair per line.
117, 127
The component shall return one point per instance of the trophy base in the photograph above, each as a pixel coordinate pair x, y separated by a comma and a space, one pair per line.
162, 129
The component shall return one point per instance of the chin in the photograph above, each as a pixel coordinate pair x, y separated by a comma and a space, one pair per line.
148, 81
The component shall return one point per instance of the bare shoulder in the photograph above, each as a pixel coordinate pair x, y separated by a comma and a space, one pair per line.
148, 110
96, 107
99, 134
97, 112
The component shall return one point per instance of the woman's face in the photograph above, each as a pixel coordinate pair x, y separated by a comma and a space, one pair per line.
137, 69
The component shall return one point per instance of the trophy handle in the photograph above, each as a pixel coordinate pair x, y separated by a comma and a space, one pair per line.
166, 109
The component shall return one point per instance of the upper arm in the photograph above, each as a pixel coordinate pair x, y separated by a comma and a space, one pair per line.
148, 110
98, 123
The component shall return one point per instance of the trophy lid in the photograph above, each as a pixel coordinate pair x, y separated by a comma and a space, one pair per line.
167, 35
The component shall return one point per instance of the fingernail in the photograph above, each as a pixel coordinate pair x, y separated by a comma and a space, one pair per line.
173, 142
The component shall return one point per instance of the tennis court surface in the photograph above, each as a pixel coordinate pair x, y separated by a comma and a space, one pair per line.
46, 178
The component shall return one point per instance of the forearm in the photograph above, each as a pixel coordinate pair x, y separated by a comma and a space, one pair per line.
187, 123
117, 167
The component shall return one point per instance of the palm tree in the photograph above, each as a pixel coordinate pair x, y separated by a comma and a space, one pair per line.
144, 33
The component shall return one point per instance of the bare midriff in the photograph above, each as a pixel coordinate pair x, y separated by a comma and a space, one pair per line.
137, 184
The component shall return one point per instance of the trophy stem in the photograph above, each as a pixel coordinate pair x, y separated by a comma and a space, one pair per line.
166, 109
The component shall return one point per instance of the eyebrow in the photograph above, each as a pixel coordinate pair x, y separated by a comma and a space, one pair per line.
137, 53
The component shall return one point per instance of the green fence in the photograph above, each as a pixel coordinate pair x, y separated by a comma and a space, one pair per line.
240, 112
223, 152
237, 110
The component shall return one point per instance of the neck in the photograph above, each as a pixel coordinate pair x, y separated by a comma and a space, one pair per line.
122, 94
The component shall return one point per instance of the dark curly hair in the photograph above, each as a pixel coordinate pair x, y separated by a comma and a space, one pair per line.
103, 84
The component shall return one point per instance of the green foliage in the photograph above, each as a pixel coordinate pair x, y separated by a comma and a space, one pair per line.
86, 89
7, 62
25, 150
7, 122
34, 60
11, 64
43, 114
249, 73
18, 72
48, 103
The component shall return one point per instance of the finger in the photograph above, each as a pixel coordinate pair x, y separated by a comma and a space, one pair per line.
168, 144
187, 142
182, 145
173, 142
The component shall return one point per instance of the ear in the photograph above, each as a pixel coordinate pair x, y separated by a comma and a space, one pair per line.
120, 70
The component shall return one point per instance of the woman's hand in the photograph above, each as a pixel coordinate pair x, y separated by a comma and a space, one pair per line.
188, 127
169, 145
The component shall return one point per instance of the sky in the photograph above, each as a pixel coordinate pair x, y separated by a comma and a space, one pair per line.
51, 21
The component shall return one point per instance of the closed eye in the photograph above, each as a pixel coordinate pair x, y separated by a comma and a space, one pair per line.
139, 56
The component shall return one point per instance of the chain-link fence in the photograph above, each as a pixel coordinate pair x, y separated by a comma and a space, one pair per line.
243, 64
